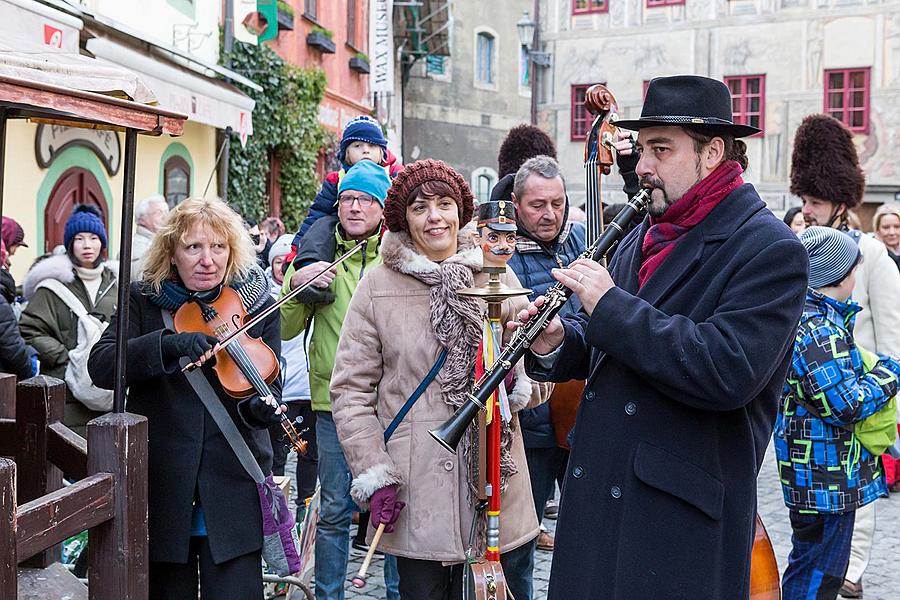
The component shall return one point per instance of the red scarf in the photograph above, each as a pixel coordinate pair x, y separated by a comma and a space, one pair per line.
666, 231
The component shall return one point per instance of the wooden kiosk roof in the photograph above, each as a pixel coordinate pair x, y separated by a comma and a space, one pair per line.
24, 98
47, 101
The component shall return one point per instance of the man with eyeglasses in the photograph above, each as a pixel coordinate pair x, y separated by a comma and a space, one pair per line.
321, 309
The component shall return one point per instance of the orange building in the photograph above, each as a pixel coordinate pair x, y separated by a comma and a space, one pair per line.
332, 35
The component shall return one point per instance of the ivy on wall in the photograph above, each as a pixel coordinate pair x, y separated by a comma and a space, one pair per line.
285, 125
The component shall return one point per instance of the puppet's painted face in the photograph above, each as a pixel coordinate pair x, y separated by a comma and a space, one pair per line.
497, 246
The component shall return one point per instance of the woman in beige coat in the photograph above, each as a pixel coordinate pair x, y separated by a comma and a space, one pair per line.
402, 315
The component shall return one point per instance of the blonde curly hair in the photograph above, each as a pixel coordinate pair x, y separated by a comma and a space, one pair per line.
220, 220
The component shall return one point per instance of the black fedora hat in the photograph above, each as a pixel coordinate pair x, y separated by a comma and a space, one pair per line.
688, 101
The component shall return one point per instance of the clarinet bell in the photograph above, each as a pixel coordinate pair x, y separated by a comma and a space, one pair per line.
452, 430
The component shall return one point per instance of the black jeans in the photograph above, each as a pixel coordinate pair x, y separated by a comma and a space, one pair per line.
546, 466
236, 579
430, 580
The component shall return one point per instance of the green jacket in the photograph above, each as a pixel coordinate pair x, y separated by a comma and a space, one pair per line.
47, 323
326, 319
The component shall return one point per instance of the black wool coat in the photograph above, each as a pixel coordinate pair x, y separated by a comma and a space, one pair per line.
188, 455
684, 377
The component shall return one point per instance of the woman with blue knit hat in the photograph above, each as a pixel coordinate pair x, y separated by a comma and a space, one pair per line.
827, 468
48, 323
362, 140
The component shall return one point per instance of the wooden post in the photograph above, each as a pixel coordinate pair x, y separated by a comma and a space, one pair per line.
118, 551
8, 560
7, 396
40, 401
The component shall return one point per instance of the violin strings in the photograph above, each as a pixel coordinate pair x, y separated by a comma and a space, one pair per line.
242, 359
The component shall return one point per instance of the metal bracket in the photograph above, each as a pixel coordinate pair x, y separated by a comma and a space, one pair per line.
541, 59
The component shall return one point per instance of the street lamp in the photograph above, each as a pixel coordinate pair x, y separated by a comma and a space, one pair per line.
525, 28
529, 39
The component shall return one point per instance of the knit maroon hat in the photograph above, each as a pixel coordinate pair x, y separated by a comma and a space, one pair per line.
414, 175
12, 233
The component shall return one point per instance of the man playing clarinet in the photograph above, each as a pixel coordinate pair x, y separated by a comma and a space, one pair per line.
684, 342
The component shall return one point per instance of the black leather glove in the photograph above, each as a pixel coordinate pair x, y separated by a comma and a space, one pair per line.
256, 412
190, 345
627, 165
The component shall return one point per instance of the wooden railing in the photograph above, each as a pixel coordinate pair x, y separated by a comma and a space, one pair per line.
108, 496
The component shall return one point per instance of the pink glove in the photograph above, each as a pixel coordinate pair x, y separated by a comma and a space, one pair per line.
385, 508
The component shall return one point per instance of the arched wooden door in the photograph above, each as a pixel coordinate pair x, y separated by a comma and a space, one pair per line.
74, 186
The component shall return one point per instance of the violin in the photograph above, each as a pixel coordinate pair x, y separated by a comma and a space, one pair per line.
246, 365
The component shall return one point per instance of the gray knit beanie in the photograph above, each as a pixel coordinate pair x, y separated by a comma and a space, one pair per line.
832, 255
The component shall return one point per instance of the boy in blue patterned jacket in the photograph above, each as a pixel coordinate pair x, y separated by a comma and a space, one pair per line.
826, 474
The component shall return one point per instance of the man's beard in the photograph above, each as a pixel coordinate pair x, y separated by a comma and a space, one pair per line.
656, 209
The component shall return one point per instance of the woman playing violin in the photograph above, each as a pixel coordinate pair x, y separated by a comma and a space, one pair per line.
204, 508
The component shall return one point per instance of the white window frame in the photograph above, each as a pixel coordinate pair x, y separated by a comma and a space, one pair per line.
483, 172
495, 53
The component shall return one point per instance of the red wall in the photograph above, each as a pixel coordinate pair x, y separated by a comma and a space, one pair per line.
347, 93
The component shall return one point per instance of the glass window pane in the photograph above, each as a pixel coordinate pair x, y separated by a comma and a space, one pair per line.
735, 105
753, 104
490, 60
857, 99
734, 86
753, 85
176, 185
856, 118
835, 81
857, 79
836, 100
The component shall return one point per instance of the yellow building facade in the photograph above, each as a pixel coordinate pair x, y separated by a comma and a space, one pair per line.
30, 189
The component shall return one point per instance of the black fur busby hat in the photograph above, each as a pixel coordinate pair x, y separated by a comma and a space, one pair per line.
824, 163
521, 143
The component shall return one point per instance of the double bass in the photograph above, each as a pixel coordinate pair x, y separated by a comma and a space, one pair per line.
598, 161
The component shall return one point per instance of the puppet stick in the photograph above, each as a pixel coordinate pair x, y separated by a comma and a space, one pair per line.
360, 579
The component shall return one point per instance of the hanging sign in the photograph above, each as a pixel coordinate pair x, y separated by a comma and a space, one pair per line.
51, 140
381, 45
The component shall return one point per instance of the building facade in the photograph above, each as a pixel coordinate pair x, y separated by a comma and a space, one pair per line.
332, 35
782, 59
174, 54
459, 108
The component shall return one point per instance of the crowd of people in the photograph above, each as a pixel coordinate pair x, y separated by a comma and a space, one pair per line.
714, 329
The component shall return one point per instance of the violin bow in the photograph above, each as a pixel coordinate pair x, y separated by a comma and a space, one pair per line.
598, 153
290, 295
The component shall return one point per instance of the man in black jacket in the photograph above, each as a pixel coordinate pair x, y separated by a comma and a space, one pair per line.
684, 343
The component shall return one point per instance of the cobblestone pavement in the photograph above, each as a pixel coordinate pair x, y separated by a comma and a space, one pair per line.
881, 581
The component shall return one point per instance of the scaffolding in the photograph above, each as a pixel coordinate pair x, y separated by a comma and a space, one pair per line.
421, 29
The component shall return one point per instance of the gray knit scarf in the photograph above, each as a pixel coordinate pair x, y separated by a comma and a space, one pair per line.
457, 324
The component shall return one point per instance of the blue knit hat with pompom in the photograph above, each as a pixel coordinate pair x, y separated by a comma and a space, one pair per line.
85, 219
361, 129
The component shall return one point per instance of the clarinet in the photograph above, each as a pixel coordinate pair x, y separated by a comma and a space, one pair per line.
450, 433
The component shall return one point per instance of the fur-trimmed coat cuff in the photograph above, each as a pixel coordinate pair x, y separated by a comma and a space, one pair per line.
371, 480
